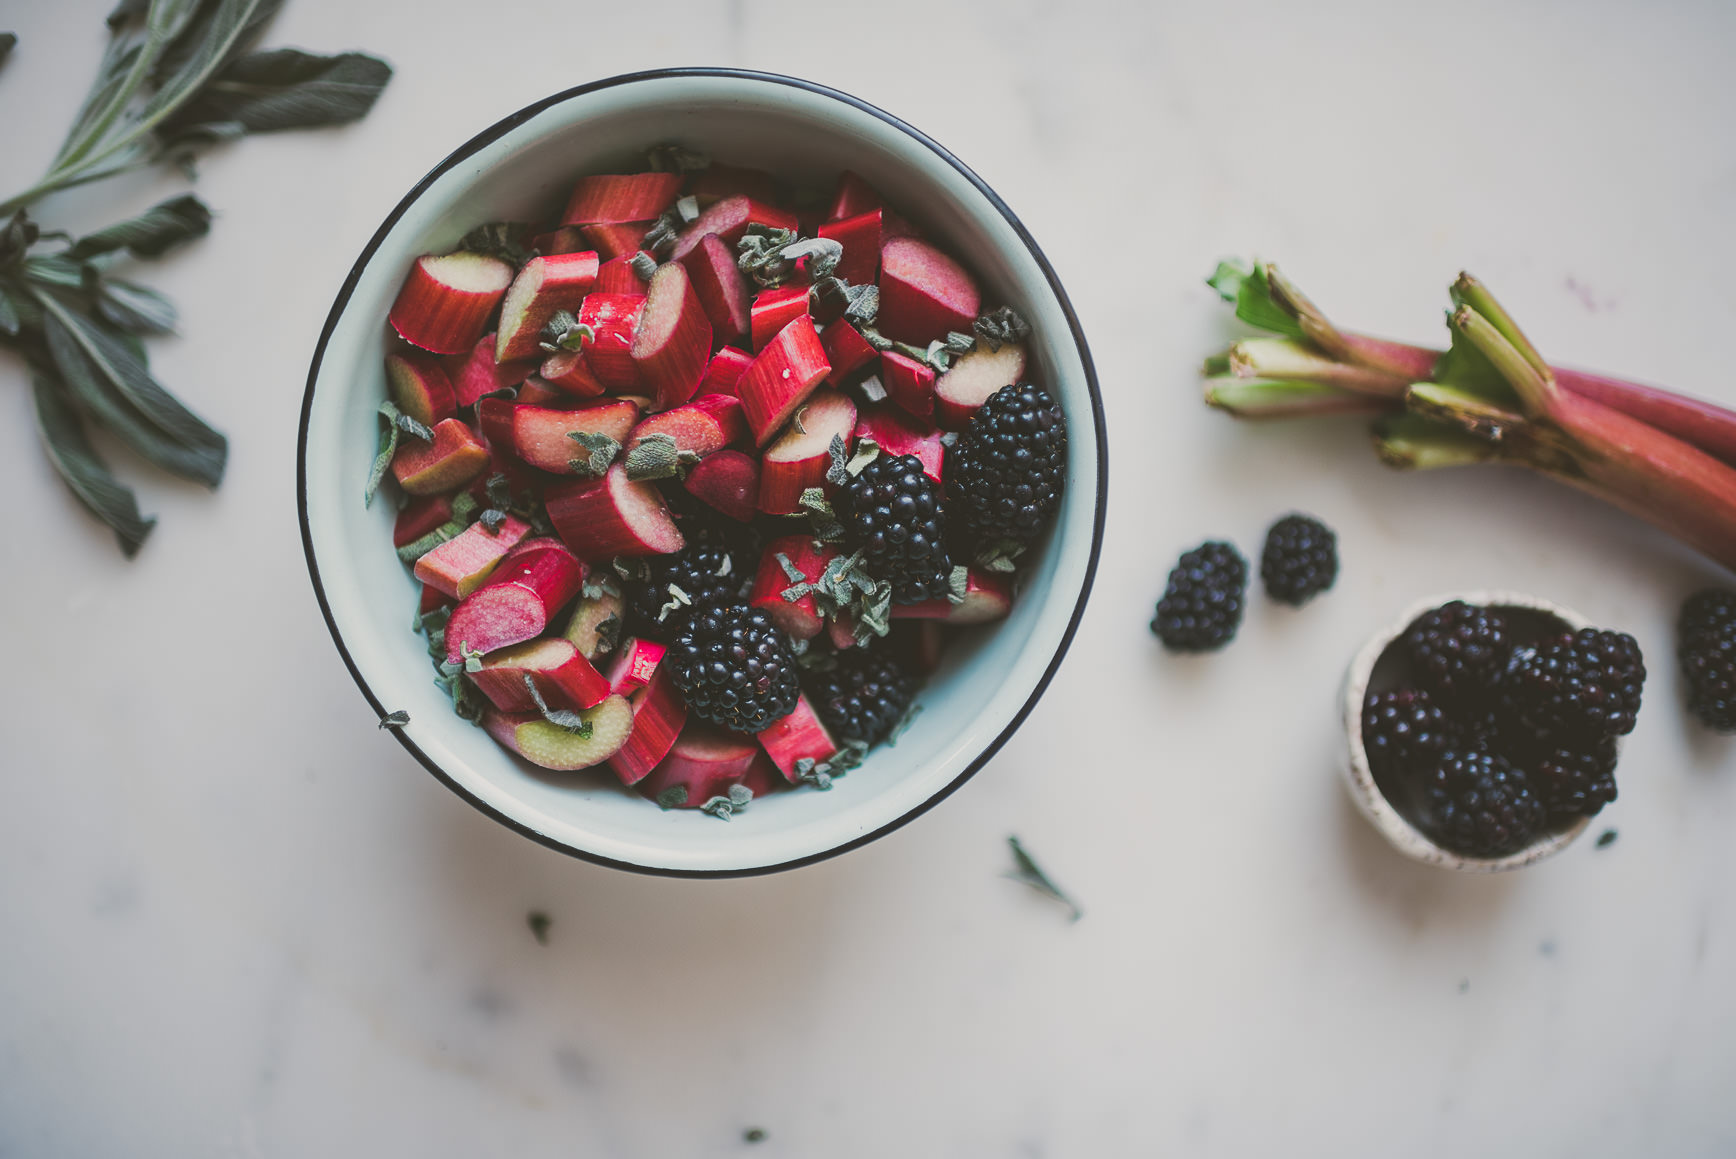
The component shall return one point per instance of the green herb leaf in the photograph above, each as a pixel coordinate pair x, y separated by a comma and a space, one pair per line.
150, 234
395, 720
414, 429
506, 240
673, 797
838, 472
601, 451
821, 518
109, 378
85, 473
134, 308
388, 447
644, 265
8, 41
867, 450
903, 725
57, 270
559, 717
280, 89
1252, 295
609, 634
669, 157
1028, 872
725, 807
998, 556
563, 331
539, 924
1000, 327
472, 657
10, 321
659, 457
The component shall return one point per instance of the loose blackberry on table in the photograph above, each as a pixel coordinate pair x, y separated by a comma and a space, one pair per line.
892, 511
1201, 606
862, 695
1706, 650
735, 668
1005, 474
1300, 559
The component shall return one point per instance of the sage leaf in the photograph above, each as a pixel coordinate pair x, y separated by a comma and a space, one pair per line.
10, 322
280, 89
1028, 872
85, 473
390, 432
134, 308
55, 270
151, 233
8, 41
397, 719
108, 376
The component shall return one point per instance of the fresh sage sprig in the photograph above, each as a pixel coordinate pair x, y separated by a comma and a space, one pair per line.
176, 75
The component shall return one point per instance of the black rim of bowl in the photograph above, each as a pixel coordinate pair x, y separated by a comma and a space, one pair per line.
493, 132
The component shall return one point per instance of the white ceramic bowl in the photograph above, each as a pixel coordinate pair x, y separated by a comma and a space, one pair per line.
1359, 779
521, 169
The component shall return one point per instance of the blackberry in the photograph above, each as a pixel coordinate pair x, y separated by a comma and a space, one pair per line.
1706, 648
1479, 805
1300, 559
1576, 782
735, 668
862, 696
705, 577
1201, 606
1577, 686
1004, 476
1458, 649
891, 510
1404, 730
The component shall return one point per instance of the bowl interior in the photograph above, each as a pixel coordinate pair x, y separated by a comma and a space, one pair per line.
522, 170
1381, 666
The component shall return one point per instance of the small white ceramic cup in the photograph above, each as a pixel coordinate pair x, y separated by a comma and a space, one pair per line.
1359, 778
521, 169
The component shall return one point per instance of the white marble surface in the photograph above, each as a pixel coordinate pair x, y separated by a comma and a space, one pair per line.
240, 921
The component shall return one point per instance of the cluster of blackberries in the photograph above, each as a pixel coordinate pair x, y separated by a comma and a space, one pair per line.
1202, 603
1506, 726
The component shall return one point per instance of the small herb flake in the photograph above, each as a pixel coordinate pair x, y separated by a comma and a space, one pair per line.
754, 1135
539, 924
1606, 838
1030, 874
396, 719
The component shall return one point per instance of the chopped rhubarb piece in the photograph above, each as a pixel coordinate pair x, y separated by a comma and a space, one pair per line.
613, 515
721, 288
908, 383
454, 458
781, 378
463, 563
635, 664
419, 386
447, 298
474, 373
536, 392
569, 372
553, 747
617, 242
923, 293
611, 197
563, 678
972, 380
432, 599
614, 318
721, 181
988, 596
774, 309
860, 237
543, 286
566, 240
729, 219
846, 350
673, 341
703, 427
704, 763
723, 373
797, 737
420, 515
800, 619
728, 482
896, 434
617, 276
799, 457
659, 714
518, 601
555, 440
595, 625
853, 198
